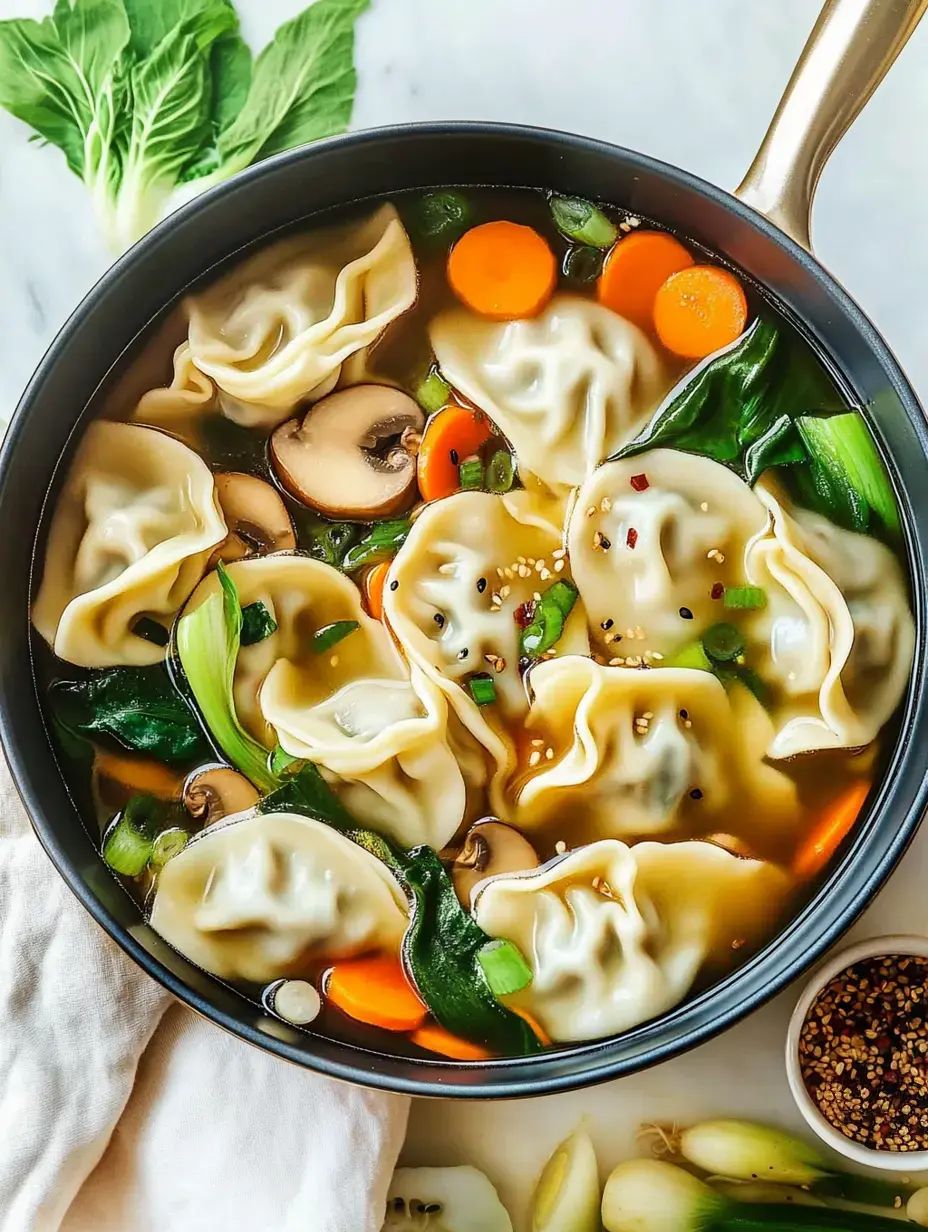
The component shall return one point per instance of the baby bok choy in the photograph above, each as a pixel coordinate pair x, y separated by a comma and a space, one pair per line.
648, 1195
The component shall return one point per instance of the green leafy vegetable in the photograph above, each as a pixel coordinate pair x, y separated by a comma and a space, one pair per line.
441, 950
257, 623
744, 598
143, 95
281, 761
504, 967
845, 476
723, 642
582, 265
501, 471
482, 690
128, 844
440, 216
208, 640
330, 541
138, 707
548, 619
470, 474
692, 655
306, 792
434, 393
382, 542
583, 222
330, 635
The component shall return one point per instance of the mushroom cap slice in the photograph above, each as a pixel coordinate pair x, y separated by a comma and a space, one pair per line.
353, 455
256, 516
217, 791
490, 848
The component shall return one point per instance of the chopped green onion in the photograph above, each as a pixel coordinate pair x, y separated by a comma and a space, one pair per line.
482, 690
723, 642
257, 623
127, 846
330, 635
744, 598
504, 967
730, 673
582, 265
442, 215
381, 543
847, 473
470, 474
548, 619
168, 844
693, 655
501, 471
151, 631
280, 760
434, 393
582, 221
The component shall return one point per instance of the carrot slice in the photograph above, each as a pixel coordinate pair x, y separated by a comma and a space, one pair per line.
135, 774
533, 1022
636, 269
502, 270
376, 991
834, 826
434, 1038
450, 436
372, 588
699, 311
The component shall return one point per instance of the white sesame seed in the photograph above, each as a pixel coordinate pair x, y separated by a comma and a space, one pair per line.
657, 656
605, 504
559, 553
524, 571
536, 596
687, 722
558, 566
648, 714
704, 506
448, 568
499, 572
509, 573
333, 662
500, 665
538, 744
531, 561
491, 658
549, 754
616, 662
640, 633
591, 511
545, 574
496, 597
505, 592
630, 633
560, 847
535, 758
521, 560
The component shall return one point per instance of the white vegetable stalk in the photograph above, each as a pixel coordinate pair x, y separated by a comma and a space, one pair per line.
567, 1194
645, 1195
917, 1208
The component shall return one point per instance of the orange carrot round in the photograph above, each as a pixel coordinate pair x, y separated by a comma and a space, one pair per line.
453, 434
372, 589
831, 829
502, 270
434, 1038
699, 311
636, 269
376, 991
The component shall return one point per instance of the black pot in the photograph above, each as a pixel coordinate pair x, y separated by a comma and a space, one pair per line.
297, 185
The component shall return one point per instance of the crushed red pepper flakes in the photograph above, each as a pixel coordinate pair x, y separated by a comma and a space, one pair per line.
863, 1052
631, 538
640, 483
717, 590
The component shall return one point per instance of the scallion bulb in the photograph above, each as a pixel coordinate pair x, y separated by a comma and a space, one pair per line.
646, 1195
567, 1194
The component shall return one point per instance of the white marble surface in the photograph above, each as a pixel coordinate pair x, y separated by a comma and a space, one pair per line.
690, 83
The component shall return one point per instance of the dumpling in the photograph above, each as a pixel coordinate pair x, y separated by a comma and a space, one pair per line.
637, 753
174, 406
616, 935
649, 537
259, 897
837, 635
468, 564
278, 329
381, 735
567, 387
131, 535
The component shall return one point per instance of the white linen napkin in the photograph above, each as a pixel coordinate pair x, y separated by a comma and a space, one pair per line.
122, 1111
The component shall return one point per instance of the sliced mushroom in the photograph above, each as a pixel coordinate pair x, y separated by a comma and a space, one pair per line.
353, 455
490, 848
256, 516
119, 777
214, 792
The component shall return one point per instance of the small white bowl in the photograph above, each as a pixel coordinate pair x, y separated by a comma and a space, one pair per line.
895, 1161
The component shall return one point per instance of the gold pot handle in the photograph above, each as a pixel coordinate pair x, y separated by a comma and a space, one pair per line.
847, 54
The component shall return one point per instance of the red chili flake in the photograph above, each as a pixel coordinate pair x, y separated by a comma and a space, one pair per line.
717, 590
640, 483
524, 614
631, 538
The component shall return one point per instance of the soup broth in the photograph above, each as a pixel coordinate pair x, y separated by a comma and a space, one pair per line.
482, 607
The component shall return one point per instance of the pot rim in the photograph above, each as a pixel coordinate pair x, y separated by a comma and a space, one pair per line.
686, 1025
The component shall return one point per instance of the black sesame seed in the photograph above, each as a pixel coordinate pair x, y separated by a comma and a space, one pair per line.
695, 794
481, 585
604, 543
684, 715
607, 624
462, 654
455, 457
439, 620
686, 613
394, 585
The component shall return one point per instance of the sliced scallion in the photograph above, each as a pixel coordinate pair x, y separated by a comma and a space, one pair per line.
330, 635
470, 474
257, 623
723, 642
434, 393
482, 690
504, 967
548, 619
583, 222
583, 264
692, 655
127, 846
381, 543
744, 598
501, 471
168, 844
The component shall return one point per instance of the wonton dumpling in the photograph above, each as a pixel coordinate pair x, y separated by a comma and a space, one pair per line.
629, 746
567, 387
353, 710
441, 603
616, 935
259, 897
131, 535
173, 407
837, 635
278, 328
692, 512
